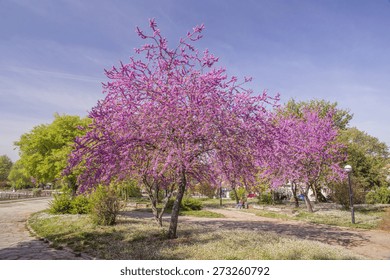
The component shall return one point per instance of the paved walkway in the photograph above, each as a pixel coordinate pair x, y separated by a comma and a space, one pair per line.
16, 242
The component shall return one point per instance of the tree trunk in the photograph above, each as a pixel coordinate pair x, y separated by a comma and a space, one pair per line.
235, 195
320, 197
315, 193
176, 207
166, 201
307, 201
153, 201
153, 194
220, 196
294, 192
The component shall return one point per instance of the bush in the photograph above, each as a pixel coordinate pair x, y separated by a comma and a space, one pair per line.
378, 196
80, 205
61, 204
105, 205
265, 198
189, 203
341, 193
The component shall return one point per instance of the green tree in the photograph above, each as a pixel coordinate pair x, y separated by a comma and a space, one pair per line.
18, 176
368, 156
5, 168
44, 151
341, 117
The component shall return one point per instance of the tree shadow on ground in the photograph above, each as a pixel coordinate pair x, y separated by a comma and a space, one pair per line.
36, 250
331, 235
324, 234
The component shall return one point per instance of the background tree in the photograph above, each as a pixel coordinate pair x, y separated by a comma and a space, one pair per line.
369, 158
45, 149
19, 177
167, 119
5, 168
308, 154
341, 117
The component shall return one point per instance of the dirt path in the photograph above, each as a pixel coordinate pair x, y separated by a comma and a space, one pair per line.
371, 244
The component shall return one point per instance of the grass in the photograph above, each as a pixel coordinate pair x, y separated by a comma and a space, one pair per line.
142, 239
365, 218
193, 213
215, 202
201, 214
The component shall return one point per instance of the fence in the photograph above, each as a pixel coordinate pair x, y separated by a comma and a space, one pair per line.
8, 195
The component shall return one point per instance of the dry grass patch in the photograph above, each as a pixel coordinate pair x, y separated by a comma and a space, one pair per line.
366, 218
385, 223
139, 239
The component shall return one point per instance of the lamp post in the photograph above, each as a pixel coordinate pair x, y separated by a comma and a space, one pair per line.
348, 169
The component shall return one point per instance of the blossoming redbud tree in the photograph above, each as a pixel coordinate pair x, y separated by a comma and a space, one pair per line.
307, 153
170, 117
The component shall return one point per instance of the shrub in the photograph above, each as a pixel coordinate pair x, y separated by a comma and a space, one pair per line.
61, 204
105, 205
80, 205
189, 203
378, 196
265, 198
341, 193
170, 203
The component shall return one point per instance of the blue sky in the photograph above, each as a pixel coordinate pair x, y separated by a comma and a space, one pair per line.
53, 53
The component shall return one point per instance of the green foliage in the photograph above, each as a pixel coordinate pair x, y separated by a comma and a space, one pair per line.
368, 158
61, 204
105, 205
65, 203
128, 188
5, 168
241, 193
378, 196
45, 149
202, 214
340, 193
18, 176
341, 117
189, 203
80, 205
205, 189
265, 198
170, 204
